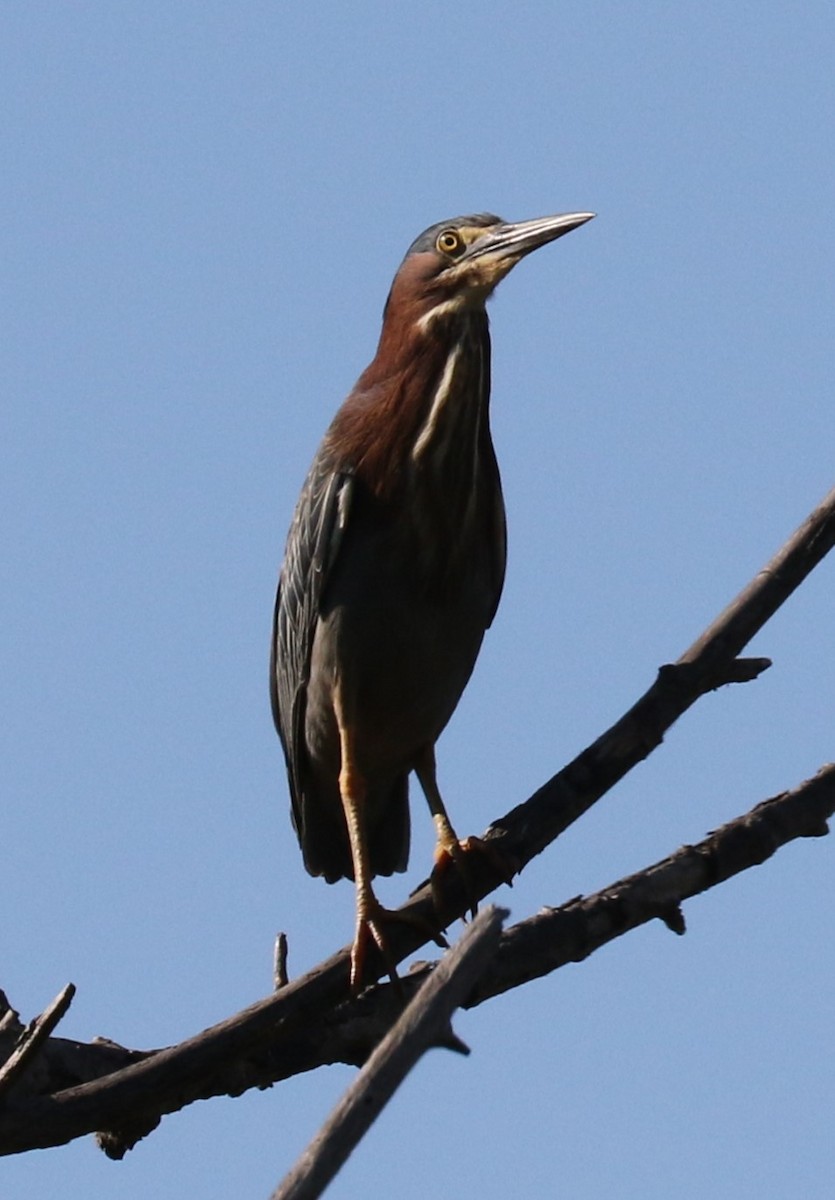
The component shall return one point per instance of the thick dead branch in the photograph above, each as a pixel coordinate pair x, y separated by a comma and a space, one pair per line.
348, 1033
424, 1023
224, 1058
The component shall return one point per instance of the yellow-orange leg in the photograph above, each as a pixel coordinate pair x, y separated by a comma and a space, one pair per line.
448, 849
370, 912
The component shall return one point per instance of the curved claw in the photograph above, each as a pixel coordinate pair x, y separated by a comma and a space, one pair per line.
370, 929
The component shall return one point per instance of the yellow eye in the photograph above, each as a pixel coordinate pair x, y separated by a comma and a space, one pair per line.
450, 242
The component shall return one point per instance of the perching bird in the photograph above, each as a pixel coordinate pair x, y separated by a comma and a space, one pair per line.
394, 565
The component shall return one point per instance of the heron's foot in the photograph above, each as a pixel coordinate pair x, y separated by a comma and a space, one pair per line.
459, 854
371, 930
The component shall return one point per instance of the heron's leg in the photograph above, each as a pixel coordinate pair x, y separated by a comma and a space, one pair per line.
352, 790
447, 843
449, 849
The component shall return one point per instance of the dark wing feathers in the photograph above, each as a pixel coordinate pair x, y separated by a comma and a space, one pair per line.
312, 544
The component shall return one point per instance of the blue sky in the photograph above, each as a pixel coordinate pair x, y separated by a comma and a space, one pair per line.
203, 208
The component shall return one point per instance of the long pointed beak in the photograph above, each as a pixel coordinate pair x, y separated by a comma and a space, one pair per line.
508, 243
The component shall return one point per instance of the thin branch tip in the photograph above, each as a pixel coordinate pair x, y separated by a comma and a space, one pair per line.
33, 1038
451, 1041
745, 670
280, 978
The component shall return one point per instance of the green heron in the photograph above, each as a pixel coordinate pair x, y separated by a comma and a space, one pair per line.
394, 566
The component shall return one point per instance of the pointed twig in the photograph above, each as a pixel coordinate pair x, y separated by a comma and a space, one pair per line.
280, 962
32, 1038
9, 1017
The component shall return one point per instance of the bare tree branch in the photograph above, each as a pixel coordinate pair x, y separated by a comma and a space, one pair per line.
423, 1024
710, 662
543, 943
572, 932
223, 1059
